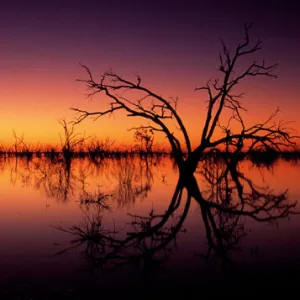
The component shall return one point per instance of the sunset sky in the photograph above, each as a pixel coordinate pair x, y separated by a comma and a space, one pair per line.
172, 45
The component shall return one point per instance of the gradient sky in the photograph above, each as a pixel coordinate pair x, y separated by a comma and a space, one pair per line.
172, 45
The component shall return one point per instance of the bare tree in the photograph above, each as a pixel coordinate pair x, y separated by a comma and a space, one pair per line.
146, 138
137, 100
97, 146
19, 143
69, 140
227, 198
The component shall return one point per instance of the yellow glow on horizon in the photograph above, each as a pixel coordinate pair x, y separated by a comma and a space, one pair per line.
34, 108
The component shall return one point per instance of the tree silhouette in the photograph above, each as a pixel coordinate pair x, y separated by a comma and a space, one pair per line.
139, 101
70, 139
145, 138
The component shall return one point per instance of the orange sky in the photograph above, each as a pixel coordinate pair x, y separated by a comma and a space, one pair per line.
35, 105
172, 49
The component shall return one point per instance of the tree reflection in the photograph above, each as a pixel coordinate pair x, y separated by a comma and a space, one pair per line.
147, 243
226, 197
134, 180
129, 178
225, 193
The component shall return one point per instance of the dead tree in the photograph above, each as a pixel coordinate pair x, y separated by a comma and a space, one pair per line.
69, 140
137, 100
231, 195
19, 143
145, 138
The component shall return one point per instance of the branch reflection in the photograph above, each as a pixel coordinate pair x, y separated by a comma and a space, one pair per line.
129, 178
226, 197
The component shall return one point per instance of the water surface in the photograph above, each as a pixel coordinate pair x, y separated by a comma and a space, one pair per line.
70, 228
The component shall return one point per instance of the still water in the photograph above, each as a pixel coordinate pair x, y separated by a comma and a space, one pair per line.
70, 229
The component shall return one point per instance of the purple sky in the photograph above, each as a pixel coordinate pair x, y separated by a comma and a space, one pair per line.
173, 45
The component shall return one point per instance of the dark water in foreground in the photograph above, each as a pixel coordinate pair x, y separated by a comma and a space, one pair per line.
91, 229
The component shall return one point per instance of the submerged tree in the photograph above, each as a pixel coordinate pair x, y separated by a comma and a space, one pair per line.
145, 138
228, 196
19, 144
70, 139
139, 101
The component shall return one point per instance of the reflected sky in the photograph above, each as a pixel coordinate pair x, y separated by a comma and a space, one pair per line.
44, 204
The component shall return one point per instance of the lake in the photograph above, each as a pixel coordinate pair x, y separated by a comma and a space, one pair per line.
107, 226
